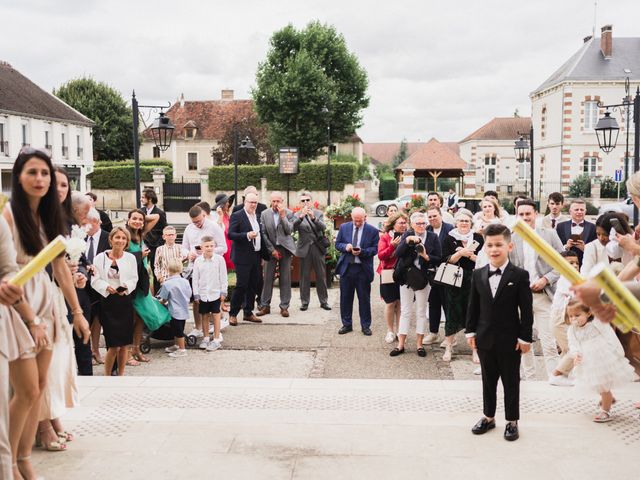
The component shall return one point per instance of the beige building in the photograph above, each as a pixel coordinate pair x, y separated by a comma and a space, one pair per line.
565, 110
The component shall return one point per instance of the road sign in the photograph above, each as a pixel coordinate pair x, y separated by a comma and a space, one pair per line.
288, 160
618, 176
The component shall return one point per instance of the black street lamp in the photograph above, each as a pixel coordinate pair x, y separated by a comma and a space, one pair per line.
325, 112
607, 130
161, 130
524, 149
245, 144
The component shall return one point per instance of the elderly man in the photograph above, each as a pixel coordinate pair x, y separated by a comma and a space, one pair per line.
276, 228
311, 250
577, 232
244, 232
80, 206
357, 242
199, 227
543, 279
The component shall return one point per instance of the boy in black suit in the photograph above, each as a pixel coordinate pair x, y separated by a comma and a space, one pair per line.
499, 325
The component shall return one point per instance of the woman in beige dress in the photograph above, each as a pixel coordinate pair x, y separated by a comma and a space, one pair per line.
35, 218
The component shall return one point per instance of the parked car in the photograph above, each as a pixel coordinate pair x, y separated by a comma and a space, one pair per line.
626, 207
379, 209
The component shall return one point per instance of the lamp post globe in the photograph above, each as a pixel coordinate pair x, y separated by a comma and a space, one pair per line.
522, 149
607, 131
162, 130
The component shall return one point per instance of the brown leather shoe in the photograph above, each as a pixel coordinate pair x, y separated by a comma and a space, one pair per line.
284, 312
263, 311
233, 321
251, 318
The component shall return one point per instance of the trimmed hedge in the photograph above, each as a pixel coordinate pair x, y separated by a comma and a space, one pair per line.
388, 189
312, 176
121, 177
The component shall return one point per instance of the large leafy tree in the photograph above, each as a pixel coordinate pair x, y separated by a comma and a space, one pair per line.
244, 123
308, 82
105, 106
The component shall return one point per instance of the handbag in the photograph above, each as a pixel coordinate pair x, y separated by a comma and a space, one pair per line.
386, 276
321, 240
416, 279
449, 274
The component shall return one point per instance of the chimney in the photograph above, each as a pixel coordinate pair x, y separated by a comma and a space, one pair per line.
606, 41
182, 100
586, 39
227, 94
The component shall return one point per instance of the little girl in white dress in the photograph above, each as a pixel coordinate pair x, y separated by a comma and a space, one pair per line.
599, 357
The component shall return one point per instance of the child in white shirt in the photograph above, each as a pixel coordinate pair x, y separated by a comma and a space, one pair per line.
210, 284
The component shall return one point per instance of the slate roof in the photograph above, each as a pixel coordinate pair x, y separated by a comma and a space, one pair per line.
501, 128
20, 96
588, 63
434, 155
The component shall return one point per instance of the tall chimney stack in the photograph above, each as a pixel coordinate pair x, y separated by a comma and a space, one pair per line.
227, 94
606, 41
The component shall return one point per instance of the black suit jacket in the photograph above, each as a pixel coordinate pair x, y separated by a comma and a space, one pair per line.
153, 238
107, 226
500, 321
563, 229
444, 231
242, 249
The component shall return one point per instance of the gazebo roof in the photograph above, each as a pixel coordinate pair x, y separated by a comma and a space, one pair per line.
434, 155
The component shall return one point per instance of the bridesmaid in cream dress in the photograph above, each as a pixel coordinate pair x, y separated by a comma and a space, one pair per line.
35, 205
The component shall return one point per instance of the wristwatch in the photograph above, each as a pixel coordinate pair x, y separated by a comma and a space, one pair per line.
36, 321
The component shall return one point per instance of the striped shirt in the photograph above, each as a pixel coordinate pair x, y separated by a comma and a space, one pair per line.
164, 255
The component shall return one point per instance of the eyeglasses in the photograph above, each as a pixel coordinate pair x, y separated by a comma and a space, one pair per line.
421, 223
305, 199
33, 150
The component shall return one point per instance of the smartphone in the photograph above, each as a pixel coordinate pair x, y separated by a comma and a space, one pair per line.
475, 244
576, 237
617, 226
355, 249
121, 289
198, 247
397, 234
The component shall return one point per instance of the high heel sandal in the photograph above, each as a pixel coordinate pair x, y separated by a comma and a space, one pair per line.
25, 459
140, 357
59, 446
66, 436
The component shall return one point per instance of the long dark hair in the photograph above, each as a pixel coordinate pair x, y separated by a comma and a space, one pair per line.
136, 235
49, 209
66, 203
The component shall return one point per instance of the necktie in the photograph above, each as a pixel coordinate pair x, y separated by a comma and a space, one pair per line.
92, 252
577, 224
495, 272
553, 223
355, 237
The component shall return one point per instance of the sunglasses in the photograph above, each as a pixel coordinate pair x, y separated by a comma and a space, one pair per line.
33, 151
305, 199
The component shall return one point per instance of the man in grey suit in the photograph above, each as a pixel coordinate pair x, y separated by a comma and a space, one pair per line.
310, 227
277, 227
543, 286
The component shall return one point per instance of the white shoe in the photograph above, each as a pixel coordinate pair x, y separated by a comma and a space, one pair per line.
477, 371
390, 337
178, 353
560, 381
213, 346
195, 333
448, 351
430, 339
224, 323
211, 330
219, 339
204, 343
445, 343
171, 349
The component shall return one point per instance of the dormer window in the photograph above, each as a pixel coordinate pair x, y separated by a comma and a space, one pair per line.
190, 130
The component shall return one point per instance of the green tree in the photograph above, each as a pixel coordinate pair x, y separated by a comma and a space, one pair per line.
609, 188
308, 82
243, 123
105, 106
402, 154
580, 187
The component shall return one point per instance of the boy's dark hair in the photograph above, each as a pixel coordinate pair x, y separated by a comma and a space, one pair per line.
568, 253
493, 193
206, 208
93, 196
150, 194
497, 229
556, 197
437, 195
527, 202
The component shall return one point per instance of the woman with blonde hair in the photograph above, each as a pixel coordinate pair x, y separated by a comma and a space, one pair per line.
490, 213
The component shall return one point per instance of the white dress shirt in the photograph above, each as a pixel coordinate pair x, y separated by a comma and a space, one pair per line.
255, 226
494, 280
576, 230
530, 257
192, 235
209, 278
357, 242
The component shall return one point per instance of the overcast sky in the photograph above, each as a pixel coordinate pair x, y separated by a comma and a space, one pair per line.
436, 68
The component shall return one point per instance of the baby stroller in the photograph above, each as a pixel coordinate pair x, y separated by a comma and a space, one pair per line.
163, 333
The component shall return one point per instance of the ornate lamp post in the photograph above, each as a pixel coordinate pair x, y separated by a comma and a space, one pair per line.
524, 147
607, 131
245, 144
325, 112
162, 131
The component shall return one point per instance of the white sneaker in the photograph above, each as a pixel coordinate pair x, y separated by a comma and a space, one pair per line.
448, 351
390, 337
213, 346
224, 323
171, 349
195, 333
178, 353
430, 339
477, 371
560, 381
219, 339
204, 343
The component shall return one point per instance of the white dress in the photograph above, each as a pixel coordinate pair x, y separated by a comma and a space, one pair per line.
604, 365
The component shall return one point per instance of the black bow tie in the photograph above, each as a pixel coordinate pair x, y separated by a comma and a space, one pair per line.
494, 272
577, 224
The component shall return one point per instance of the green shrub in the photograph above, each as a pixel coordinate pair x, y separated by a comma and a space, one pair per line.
122, 176
119, 163
388, 189
580, 187
609, 188
312, 176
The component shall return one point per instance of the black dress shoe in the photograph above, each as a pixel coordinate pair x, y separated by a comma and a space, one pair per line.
511, 431
396, 351
344, 329
304, 307
483, 426
324, 306
366, 331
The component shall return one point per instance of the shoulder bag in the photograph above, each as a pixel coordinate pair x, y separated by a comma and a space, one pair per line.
449, 274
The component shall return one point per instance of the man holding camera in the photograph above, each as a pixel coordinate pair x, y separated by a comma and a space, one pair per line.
358, 243
311, 248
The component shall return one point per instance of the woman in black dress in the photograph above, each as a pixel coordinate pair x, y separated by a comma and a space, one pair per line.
115, 279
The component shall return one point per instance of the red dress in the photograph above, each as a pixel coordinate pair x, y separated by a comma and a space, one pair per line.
227, 256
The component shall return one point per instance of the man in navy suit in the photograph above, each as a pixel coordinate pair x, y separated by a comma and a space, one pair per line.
358, 243
577, 232
436, 296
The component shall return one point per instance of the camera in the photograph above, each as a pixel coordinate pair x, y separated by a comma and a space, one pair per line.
419, 248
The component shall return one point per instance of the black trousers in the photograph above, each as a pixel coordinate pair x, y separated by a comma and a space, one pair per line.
505, 365
244, 294
82, 350
436, 301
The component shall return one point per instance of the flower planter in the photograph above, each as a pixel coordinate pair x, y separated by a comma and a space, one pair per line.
339, 220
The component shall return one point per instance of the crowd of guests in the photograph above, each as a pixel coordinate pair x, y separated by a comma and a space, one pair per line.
136, 276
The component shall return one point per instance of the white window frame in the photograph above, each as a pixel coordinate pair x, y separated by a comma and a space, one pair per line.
524, 170
590, 169
25, 133
3, 138
189, 169
590, 114
490, 163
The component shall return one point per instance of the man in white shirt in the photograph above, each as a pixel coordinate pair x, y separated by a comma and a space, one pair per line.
199, 227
